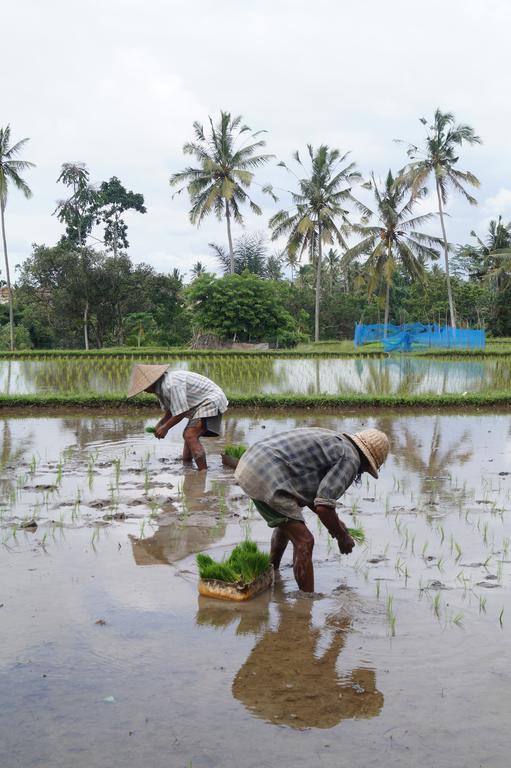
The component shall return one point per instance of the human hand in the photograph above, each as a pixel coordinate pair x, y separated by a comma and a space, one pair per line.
160, 432
345, 541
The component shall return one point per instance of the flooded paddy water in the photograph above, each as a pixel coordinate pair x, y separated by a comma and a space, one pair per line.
255, 375
108, 657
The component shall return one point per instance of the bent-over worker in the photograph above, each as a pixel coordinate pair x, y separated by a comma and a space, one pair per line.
308, 467
183, 394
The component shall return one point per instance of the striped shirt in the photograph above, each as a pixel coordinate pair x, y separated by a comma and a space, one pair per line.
187, 392
299, 468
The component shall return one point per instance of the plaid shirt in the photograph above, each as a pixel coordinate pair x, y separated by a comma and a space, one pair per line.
297, 469
187, 392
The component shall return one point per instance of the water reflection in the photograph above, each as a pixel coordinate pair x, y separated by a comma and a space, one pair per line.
195, 531
238, 375
291, 677
432, 460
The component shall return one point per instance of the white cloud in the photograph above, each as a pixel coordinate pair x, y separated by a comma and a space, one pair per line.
117, 84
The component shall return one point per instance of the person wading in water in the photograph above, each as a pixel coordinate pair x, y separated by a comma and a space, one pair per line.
308, 467
183, 394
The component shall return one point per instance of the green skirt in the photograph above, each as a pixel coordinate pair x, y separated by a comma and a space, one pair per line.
274, 519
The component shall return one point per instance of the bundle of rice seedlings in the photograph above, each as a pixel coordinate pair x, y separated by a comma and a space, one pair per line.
358, 534
244, 565
236, 451
151, 430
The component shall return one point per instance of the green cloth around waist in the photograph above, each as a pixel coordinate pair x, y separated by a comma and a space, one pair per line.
273, 518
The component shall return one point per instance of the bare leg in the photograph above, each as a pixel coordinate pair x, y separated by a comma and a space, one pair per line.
279, 542
303, 544
193, 447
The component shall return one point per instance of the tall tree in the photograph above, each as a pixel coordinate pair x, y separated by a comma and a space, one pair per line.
224, 173
11, 169
113, 201
318, 215
393, 237
439, 158
78, 212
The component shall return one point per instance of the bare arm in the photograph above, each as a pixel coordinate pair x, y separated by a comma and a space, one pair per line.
166, 424
166, 416
335, 527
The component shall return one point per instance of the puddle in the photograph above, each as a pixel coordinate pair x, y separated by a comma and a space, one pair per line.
109, 657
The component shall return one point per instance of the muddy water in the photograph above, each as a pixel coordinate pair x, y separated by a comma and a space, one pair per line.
109, 658
310, 376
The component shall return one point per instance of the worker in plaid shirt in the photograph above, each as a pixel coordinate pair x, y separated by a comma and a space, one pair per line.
183, 394
308, 467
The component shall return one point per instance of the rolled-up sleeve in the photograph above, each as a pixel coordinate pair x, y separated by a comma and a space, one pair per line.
336, 481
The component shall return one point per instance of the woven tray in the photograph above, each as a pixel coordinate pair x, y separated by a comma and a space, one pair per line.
229, 461
224, 591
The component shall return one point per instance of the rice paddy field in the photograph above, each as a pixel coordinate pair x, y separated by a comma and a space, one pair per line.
245, 375
110, 658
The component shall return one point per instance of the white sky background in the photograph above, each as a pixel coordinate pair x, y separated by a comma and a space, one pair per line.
117, 84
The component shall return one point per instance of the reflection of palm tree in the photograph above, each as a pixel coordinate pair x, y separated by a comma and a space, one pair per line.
285, 680
376, 377
9, 455
437, 463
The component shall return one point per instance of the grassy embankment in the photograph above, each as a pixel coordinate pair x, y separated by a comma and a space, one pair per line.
119, 401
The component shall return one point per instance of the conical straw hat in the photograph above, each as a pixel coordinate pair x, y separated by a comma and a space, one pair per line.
374, 445
142, 376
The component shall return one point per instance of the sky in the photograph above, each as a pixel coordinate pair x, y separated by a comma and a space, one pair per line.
117, 84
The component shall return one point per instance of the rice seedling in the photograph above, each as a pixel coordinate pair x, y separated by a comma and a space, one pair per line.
391, 616
235, 451
358, 535
244, 564
435, 604
501, 615
482, 604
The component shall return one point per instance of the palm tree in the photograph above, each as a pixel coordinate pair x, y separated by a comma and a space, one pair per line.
198, 269
495, 254
439, 158
332, 266
225, 171
318, 216
10, 173
392, 239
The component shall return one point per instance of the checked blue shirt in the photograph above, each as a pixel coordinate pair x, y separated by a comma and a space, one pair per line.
299, 468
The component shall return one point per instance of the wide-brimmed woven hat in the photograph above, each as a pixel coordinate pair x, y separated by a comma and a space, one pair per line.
142, 376
374, 445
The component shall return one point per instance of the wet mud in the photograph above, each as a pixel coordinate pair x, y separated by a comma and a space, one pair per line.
109, 657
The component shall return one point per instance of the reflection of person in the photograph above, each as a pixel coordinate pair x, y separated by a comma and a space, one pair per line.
287, 679
175, 540
183, 394
307, 467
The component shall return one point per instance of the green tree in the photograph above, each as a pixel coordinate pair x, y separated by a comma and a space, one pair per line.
392, 238
318, 215
224, 173
250, 253
112, 202
241, 307
439, 158
78, 211
11, 169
